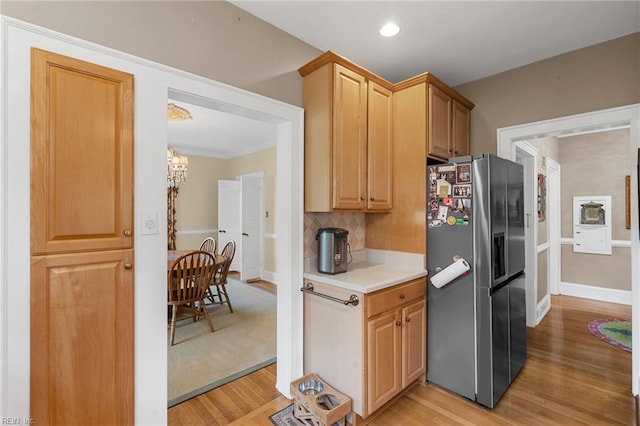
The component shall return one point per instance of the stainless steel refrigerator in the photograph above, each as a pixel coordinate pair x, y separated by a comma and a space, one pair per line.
475, 258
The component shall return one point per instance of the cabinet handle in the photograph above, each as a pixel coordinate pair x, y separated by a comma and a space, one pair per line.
407, 319
402, 296
127, 232
128, 266
398, 323
244, 234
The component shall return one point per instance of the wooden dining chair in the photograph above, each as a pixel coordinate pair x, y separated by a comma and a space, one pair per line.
219, 282
208, 244
188, 281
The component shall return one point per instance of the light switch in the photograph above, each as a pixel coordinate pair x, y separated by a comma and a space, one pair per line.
149, 223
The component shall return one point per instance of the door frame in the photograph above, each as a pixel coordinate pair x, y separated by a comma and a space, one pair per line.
153, 82
628, 115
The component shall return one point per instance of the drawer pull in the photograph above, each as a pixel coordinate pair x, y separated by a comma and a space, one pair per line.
353, 299
398, 323
402, 296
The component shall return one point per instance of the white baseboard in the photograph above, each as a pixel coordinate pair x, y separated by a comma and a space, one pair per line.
543, 308
270, 276
596, 293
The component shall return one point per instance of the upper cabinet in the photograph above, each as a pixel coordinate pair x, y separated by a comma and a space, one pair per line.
447, 116
348, 149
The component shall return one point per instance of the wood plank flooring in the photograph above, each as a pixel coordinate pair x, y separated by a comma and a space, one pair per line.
570, 378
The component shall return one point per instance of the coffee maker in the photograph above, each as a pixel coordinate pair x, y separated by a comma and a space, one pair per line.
332, 250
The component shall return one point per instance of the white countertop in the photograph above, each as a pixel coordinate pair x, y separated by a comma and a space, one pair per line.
371, 270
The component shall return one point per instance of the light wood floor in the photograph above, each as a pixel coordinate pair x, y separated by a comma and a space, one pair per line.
570, 378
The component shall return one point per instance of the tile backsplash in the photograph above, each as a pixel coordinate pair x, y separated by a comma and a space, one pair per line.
352, 222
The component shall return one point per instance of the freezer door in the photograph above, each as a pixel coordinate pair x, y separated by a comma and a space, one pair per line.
493, 345
518, 325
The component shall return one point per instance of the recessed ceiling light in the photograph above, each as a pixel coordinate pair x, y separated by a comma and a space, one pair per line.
389, 30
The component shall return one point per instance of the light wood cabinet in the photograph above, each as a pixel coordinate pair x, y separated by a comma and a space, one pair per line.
396, 341
446, 132
82, 293
460, 129
448, 124
370, 352
348, 152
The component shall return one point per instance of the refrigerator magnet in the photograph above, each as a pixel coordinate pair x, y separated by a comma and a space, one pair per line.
451, 220
463, 172
442, 212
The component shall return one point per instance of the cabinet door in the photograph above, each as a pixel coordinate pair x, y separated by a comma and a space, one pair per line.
384, 358
81, 155
82, 205
379, 148
460, 129
414, 343
439, 131
349, 139
82, 338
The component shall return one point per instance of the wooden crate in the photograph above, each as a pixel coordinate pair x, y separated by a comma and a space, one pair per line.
311, 406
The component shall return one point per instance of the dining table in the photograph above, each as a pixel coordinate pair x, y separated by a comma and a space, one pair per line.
172, 255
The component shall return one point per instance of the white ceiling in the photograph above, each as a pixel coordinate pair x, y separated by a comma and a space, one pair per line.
458, 41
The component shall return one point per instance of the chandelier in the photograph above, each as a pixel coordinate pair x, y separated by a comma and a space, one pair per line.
177, 165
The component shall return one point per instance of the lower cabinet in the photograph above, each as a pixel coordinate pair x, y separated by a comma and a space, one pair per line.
396, 351
372, 351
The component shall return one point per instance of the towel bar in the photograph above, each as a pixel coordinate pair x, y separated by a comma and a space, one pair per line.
353, 299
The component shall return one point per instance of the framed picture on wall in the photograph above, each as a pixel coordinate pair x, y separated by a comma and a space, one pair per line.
542, 197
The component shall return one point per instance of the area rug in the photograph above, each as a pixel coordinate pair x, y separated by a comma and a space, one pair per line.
615, 331
243, 341
285, 417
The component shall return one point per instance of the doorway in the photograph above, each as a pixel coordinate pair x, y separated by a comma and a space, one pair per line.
604, 119
153, 81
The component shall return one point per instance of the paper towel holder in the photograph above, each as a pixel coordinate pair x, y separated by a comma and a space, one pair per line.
455, 259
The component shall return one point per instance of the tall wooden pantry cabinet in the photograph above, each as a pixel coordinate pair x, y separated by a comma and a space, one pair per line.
81, 243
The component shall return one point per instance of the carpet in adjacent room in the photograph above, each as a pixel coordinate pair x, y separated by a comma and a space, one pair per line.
243, 341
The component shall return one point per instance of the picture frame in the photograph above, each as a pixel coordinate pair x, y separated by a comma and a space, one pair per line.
627, 201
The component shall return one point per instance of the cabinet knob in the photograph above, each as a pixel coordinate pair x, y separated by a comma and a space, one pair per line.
398, 323
127, 232
402, 296
128, 266
407, 319
372, 199
361, 198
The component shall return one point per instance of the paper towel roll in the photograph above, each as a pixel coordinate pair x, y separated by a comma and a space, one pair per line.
451, 272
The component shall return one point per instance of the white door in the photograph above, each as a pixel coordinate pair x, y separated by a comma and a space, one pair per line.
526, 155
229, 218
251, 213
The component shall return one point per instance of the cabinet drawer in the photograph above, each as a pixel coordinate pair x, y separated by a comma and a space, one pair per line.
396, 296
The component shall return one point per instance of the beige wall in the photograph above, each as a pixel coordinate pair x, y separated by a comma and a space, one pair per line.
601, 76
596, 164
197, 202
214, 39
